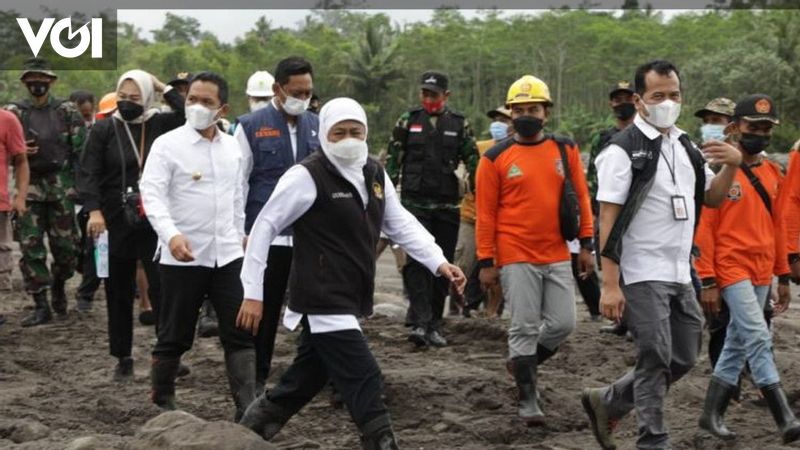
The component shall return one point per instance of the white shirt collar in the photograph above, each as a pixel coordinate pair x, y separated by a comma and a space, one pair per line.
651, 132
195, 136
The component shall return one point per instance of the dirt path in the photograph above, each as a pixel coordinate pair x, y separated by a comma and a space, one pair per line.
456, 397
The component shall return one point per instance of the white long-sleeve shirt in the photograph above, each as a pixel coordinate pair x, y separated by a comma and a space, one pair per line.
247, 164
191, 186
293, 196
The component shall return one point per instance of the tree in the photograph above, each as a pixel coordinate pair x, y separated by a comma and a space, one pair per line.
178, 30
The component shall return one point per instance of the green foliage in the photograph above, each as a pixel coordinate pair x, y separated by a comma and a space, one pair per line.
579, 53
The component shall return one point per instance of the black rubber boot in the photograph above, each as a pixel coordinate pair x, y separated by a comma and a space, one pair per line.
525, 373
717, 399
207, 326
377, 434
617, 329
264, 417
162, 377
241, 370
59, 297
788, 425
41, 315
544, 353
123, 372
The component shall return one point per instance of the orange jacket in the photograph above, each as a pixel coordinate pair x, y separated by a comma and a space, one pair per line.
518, 196
791, 192
740, 240
468, 203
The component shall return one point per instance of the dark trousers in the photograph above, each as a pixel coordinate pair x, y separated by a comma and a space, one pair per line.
589, 288
276, 278
667, 326
473, 294
426, 292
184, 288
89, 281
120, 291
342, 357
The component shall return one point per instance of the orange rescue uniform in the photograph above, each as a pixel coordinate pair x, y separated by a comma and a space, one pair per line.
518, 193
740, 240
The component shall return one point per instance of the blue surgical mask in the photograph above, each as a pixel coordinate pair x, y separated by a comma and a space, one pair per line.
711, 131
498, 130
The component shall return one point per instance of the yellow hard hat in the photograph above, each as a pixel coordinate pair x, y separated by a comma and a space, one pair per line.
528, 89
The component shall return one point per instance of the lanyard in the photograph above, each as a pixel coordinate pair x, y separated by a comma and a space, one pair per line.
671, 167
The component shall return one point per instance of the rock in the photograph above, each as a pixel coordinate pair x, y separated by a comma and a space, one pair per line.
180, 430
86, 443
441, 427
389, 310
23, 430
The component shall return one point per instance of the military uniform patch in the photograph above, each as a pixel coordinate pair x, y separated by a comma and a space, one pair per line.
377, 190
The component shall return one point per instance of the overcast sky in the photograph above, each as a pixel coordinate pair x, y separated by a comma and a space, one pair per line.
234, 23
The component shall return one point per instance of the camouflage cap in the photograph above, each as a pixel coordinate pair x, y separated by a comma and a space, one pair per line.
720, 105
620, 86
501, 111
37, 65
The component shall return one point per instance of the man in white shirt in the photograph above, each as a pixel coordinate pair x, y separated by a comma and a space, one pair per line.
192, 193
273, 139
652, 182
338, 202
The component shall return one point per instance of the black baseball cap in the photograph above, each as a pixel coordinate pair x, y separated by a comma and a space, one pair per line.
434, 81
756, 108
181, 78
620, 86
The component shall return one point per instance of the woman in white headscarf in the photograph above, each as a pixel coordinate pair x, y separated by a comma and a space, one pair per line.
108, 183
337, 202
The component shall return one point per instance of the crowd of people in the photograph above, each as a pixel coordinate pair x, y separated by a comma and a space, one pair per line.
220, 227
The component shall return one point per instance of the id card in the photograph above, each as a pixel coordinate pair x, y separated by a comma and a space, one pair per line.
679, 211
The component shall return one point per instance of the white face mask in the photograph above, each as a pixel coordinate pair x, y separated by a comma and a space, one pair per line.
349, 149
294, 106
200, 117
664, 114
256, 105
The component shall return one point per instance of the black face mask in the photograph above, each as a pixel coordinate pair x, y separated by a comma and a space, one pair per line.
38, 88
528, 126
624, 111
129, 110
753, 144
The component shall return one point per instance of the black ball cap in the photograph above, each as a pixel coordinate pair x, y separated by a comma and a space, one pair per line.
756, 108
434, 81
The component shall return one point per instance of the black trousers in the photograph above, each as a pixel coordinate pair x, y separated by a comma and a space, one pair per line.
184, 288
89, 281
589, 288
342, 357
120, 290
426, 292
473, 294
276, 278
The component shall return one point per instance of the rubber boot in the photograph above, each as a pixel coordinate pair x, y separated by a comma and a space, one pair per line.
240, 367
264, 417
788, 425
162, 377
528, 405
377, 434
717, 399
123, 372
543, 353
58, 297
41, 314
207, 326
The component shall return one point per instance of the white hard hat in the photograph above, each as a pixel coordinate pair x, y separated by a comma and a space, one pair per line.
260, 84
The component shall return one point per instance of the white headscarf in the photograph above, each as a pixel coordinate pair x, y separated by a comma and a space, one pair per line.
145, 83
335, 111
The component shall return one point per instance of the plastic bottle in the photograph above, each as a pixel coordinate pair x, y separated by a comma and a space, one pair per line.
101, 254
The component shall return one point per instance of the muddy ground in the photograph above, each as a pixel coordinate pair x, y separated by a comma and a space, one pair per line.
456, 397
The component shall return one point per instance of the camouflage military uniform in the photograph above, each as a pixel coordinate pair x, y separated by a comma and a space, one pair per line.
599, 141
51, 209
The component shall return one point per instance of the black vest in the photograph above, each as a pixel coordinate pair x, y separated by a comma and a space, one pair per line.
333, 265
50, 122
644, 154
431, 156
